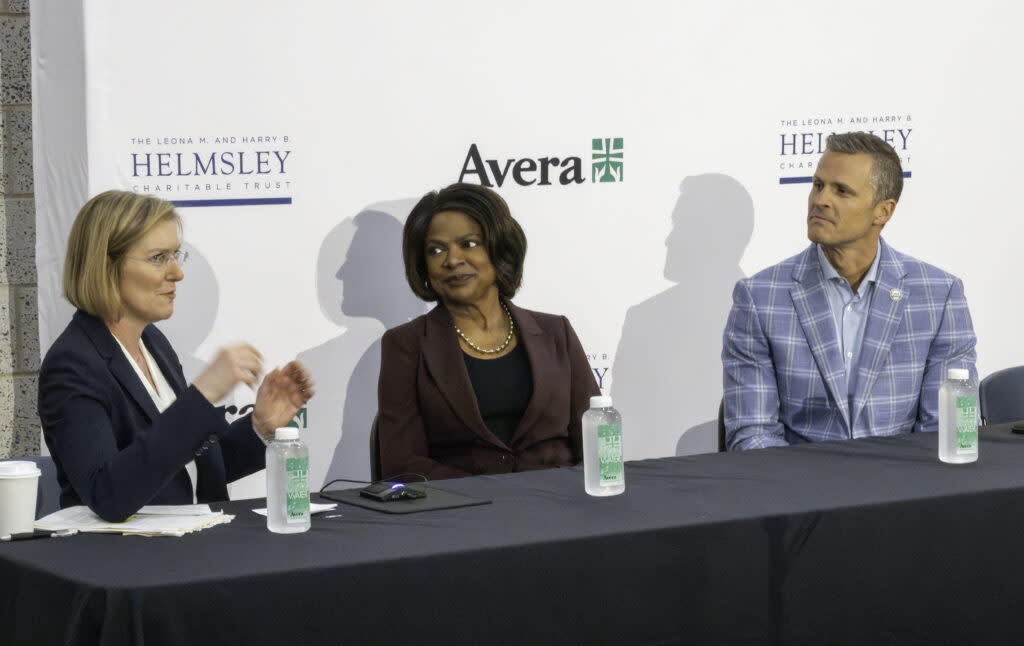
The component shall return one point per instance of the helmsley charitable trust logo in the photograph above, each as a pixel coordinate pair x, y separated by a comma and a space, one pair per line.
223, 170
606, 166
801, 142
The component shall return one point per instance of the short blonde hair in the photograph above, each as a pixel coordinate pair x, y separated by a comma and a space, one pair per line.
105, 229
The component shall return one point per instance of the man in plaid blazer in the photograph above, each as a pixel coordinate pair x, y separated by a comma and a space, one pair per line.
849, 338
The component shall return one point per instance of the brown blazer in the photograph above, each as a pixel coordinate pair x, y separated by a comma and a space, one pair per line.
429, 419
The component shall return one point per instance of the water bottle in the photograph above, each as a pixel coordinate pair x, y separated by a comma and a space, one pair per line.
958, 418
287, 483
603, 474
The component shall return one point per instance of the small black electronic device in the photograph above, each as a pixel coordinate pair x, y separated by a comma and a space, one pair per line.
389, 491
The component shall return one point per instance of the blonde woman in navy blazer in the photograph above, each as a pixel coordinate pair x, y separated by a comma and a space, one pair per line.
123, 426
477, 385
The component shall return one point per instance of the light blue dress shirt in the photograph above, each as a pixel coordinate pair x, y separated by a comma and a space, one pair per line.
850, 313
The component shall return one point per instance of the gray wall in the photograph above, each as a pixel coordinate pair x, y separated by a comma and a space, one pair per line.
19, 326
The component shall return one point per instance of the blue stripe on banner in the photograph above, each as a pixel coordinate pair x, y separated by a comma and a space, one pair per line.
807, 180
254, 201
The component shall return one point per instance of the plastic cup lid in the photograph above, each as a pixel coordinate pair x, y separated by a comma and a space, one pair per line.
19, 469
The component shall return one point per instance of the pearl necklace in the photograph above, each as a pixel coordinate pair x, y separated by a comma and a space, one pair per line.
508, 337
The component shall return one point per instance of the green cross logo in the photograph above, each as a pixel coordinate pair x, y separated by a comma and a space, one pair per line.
606, 160
299, 421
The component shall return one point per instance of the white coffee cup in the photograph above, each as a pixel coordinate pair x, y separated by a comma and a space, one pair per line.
19, 481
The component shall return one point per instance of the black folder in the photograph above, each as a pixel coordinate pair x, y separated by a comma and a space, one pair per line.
435, 499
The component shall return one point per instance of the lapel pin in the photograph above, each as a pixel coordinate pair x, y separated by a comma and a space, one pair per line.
895, 294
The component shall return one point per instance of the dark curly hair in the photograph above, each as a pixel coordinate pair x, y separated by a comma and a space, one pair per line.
503, 237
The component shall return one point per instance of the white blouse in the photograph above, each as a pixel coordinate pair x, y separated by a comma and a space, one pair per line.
162, 396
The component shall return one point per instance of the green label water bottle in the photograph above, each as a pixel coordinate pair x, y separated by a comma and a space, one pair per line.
287, 483
603, 472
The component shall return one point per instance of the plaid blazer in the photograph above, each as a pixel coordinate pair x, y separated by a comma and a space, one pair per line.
784, 374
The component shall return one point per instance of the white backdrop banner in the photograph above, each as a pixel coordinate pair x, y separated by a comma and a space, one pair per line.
653, 154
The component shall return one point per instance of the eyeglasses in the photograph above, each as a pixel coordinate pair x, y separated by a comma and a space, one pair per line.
161, 260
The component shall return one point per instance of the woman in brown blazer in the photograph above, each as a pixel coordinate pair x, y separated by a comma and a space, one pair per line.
477, 385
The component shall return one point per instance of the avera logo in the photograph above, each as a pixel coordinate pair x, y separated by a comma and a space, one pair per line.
606, 166
524, 172
300, 419
606, 160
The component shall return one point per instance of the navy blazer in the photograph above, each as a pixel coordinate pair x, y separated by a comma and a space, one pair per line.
113, 450
430, 422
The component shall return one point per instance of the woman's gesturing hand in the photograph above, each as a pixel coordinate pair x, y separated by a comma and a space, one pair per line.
281, 395
240, 363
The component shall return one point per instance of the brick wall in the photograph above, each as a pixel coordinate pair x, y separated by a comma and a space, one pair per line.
19, 326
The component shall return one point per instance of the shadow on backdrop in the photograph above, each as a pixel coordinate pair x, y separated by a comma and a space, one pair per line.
195, 310
366, 294
667, 374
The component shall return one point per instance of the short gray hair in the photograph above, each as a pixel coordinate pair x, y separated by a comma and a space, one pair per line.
886, 171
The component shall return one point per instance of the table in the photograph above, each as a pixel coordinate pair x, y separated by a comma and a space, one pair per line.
869, 541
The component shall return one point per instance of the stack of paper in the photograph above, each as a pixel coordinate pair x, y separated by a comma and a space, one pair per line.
152, 520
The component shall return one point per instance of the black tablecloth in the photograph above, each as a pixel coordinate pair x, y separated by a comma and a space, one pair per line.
863, 542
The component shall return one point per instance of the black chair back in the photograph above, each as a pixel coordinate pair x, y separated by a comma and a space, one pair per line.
375, 467
1001, 396
721, 426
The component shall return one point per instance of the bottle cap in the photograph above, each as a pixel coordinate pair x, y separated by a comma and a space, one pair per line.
601, 401
286, 433
960, 374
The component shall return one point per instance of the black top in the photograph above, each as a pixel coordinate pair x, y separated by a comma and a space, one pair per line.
503, 388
